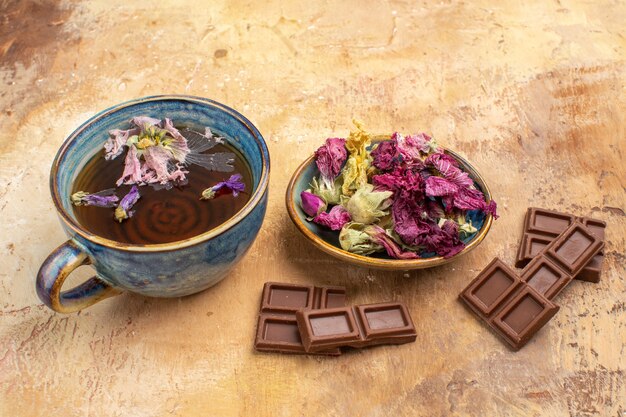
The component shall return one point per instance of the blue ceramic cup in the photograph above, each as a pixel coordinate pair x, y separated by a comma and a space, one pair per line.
160, 270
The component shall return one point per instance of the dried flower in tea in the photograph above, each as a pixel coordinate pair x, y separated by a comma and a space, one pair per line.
233, 185
104, 198
158, 154
123, 210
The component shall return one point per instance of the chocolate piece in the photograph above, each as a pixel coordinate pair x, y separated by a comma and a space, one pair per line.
284, 298
360, 326
523, 316
542, 226
277, 329
548, 221
545, 278
494, 284
516, 308
325, 329
332, 297
280, 334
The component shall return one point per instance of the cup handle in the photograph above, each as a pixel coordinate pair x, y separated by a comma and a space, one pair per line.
53, 272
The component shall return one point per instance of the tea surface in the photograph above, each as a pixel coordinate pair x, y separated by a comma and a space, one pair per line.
161, 216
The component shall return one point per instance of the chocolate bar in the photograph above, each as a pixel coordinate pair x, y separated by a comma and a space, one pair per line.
513, 309
357, 327
284, 298
517, 307
542, 226
277, 329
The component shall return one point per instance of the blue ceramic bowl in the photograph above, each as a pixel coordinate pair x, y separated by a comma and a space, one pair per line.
161, 270
328, 240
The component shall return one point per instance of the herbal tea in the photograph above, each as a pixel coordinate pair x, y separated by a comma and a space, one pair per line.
167, 195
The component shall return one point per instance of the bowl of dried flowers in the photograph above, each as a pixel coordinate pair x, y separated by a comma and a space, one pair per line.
395, 202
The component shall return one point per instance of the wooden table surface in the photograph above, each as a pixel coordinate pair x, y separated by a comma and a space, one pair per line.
533, 93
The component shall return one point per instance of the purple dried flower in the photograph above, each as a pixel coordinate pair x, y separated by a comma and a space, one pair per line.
330, 157
444, 240
473, 199
157, 152
409, 220
380, 236
233, 184
491, 208
386, 156
400, 179
123, 211
312, 204
104, 198
434, 209
335, 219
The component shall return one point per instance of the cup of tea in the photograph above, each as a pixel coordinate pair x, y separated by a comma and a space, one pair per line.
175, 244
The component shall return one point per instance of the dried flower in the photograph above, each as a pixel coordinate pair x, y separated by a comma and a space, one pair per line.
439, 187
331, 193
444, 239
335, 219
104, 198
158, 152
132, 169
123, 211
406, 197
312, 204
385, 155
410, 220
330, 157
353, 238
412, 147
448, 167
380, 236
367, 206
233, 184
466, 228
355, 171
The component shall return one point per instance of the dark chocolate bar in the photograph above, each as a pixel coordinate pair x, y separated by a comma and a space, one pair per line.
357, 327
517, 307
515, 311
277, 329
542, 226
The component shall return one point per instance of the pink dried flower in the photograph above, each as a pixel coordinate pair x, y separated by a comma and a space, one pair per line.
380, 236
448, 167
439, 187
411, 147
330, 157
132, 169
178, 146
114, 145
335, 219
312, 204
